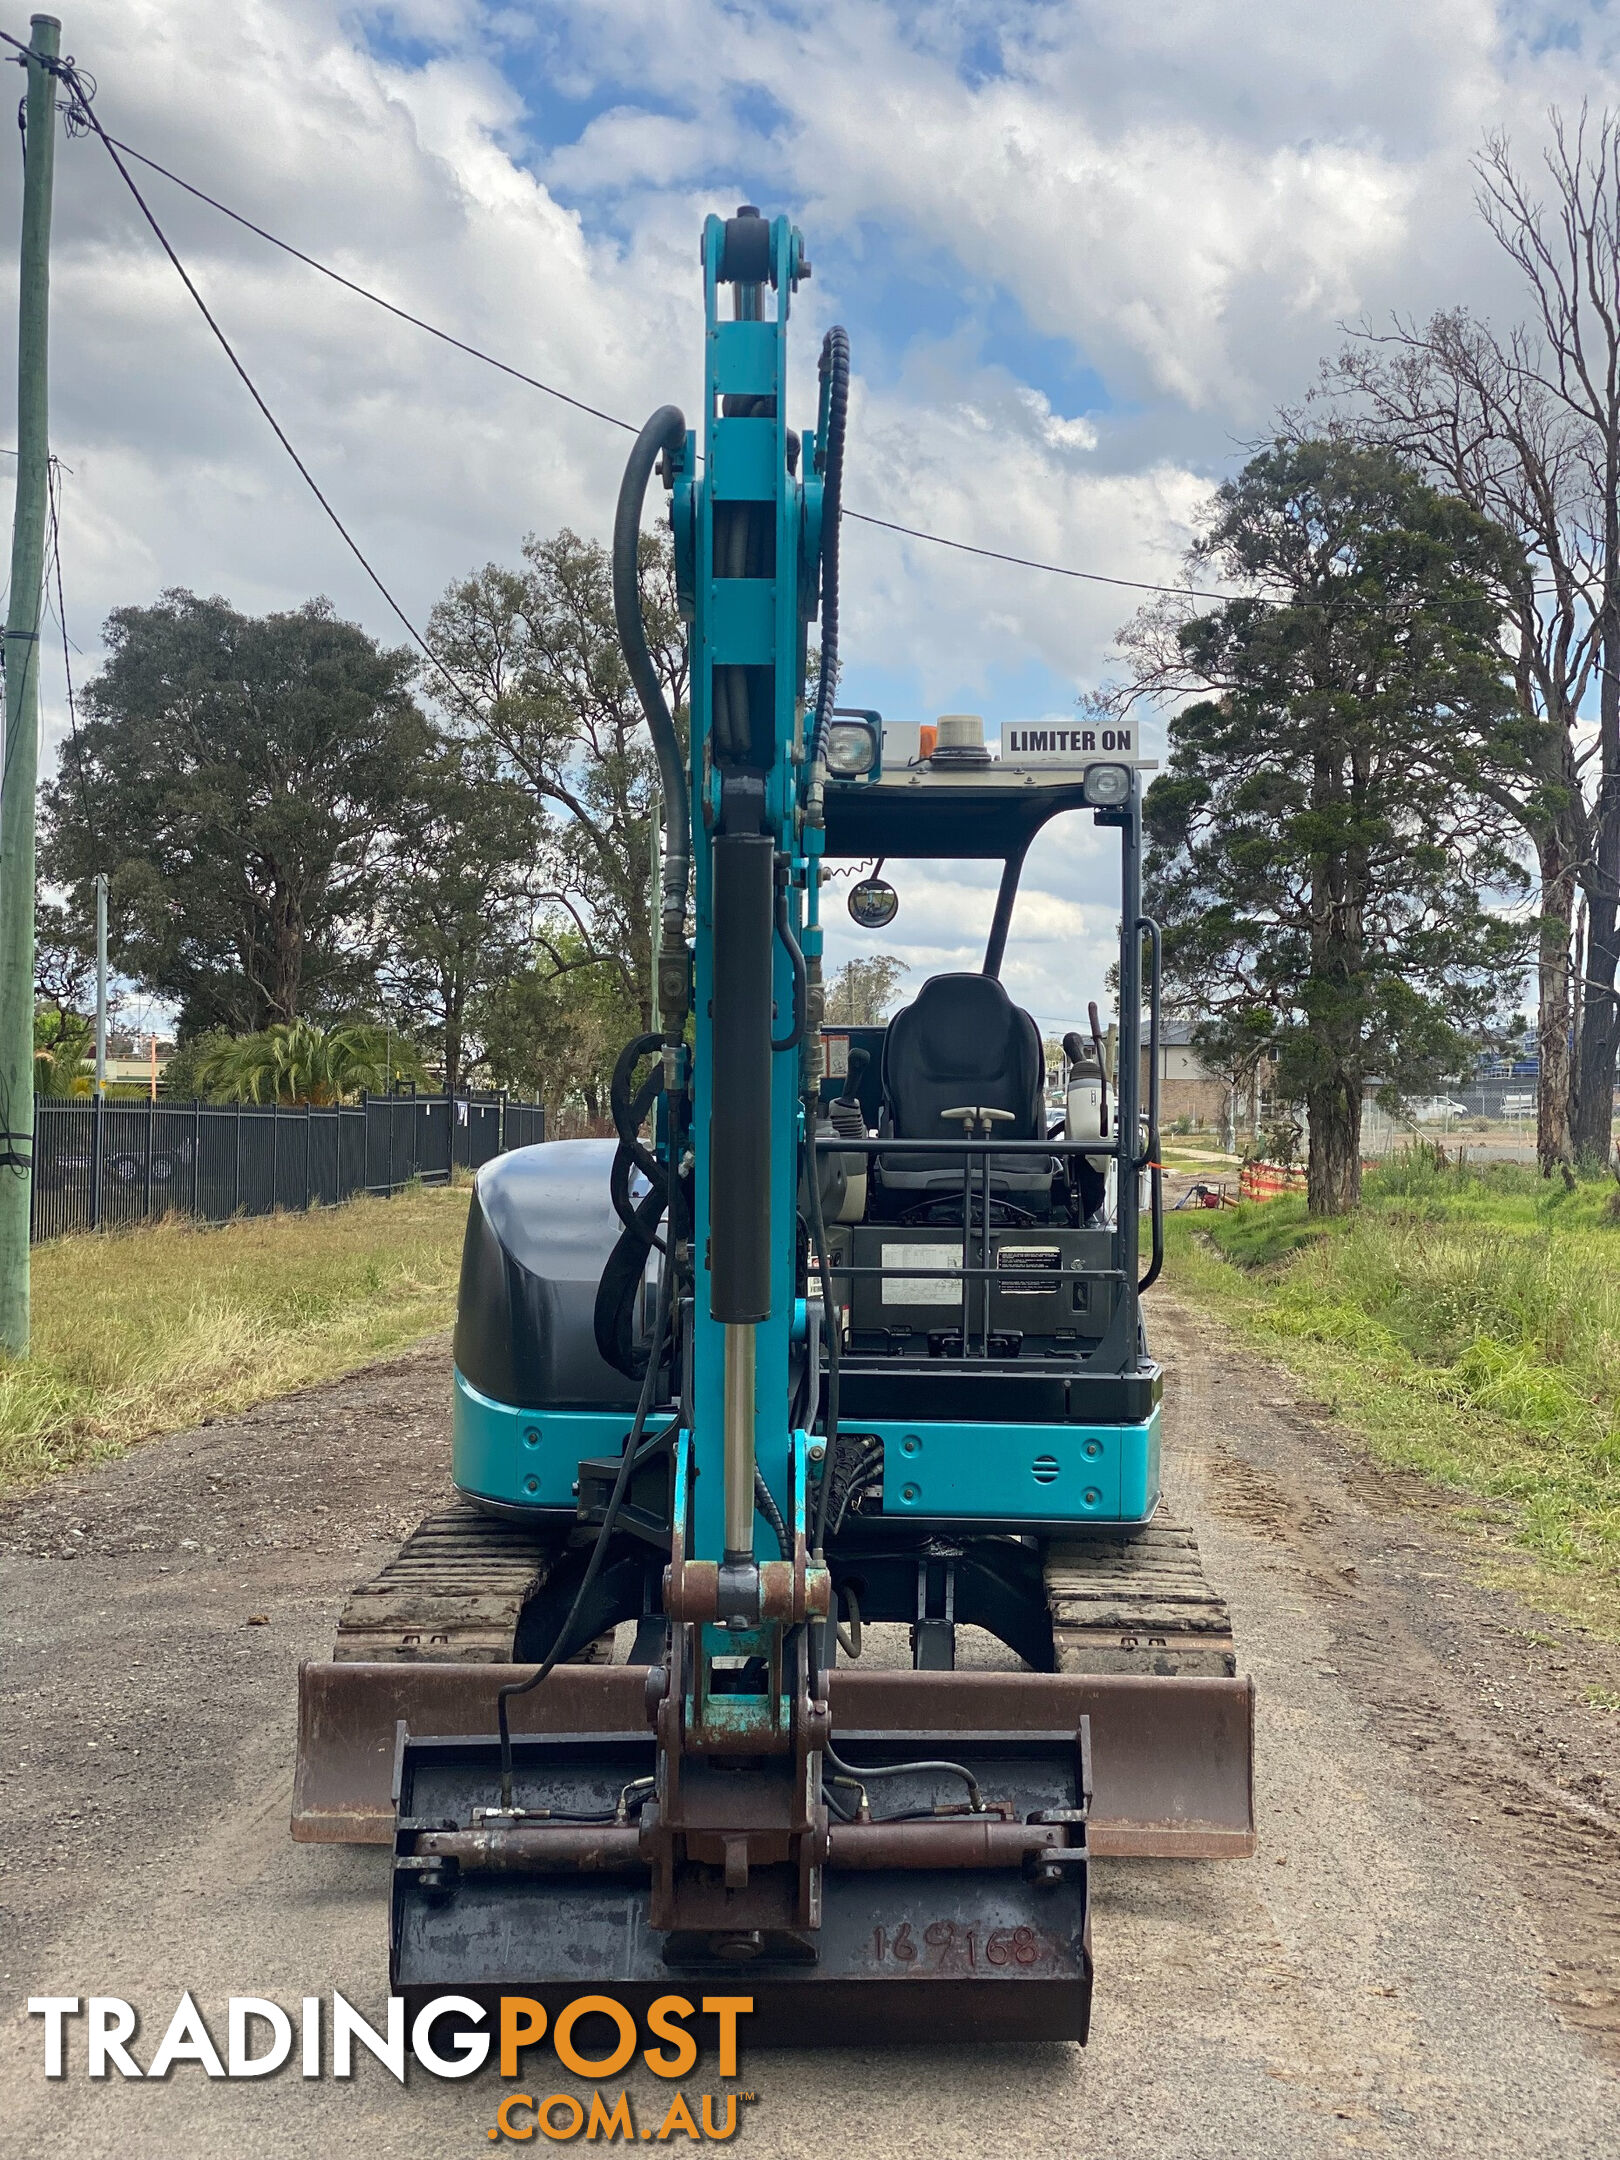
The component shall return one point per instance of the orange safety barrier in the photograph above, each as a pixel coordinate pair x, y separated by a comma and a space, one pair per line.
1265, 1181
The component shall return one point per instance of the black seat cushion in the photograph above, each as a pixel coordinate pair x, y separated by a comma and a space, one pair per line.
962, 1040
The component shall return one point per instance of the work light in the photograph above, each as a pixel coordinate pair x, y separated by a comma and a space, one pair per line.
1106, 785
851, 748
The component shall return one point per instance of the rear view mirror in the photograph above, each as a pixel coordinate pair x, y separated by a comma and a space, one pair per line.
874, 903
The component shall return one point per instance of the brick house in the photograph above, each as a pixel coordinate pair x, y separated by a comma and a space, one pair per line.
1189, 1089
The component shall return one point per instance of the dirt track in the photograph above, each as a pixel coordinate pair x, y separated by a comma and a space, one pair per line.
1424, 1958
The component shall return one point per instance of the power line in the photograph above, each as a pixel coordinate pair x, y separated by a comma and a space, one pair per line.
66, 73
504, 367
377, 300
1026, 562
54, 485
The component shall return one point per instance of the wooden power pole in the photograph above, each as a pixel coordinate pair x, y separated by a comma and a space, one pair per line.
19, 774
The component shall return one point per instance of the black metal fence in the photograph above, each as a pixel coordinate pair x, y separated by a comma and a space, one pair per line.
101, 1167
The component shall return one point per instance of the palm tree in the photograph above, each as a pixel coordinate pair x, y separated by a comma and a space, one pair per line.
60, 1042
299, 1061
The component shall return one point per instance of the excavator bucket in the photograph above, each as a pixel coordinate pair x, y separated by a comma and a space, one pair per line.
929, 1927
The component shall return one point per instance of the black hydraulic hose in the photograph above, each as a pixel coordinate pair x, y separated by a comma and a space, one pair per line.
620, 1286
829, 1332
909, 1769
632, 1212
593, 1568
801, 979
858, 1481
830, 457
628, 1111
664, 432
640, 1217
765, 1501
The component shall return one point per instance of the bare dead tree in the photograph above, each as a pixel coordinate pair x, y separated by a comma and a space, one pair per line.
1466, 404
1568, 251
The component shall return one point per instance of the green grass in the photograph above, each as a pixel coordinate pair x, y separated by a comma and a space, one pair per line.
150, 1329
1467, 1323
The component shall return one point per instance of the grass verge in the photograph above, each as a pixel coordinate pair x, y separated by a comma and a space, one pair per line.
1467, 1325
150, 1329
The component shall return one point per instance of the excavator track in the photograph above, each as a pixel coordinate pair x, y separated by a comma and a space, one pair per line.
452, 1594
1138, 1603
1144, 1648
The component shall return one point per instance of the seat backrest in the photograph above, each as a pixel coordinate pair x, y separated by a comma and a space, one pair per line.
963, 1040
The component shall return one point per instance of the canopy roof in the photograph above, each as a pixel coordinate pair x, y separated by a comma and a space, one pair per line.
992, 813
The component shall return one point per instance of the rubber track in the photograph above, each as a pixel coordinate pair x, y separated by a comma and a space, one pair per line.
453, 1591
1137, 1604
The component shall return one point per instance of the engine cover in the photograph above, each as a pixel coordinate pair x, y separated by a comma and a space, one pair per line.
539, 1232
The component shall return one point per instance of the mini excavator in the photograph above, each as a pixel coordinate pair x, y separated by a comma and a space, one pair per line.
793, 1355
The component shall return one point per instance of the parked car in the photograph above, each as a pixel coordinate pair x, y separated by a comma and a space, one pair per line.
1437, 1109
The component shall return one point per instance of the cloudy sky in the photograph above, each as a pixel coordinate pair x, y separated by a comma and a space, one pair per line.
1084, 251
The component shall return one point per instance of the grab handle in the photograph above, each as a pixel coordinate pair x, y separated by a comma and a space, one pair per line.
1150, 1160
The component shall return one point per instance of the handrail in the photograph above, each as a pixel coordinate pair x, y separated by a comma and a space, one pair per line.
838, 1144
905, 1269
1150, 1160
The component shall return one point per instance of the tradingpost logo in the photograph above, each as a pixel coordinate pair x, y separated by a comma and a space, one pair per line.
450, 2037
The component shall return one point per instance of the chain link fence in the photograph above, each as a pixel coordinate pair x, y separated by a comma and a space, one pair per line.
105, 1166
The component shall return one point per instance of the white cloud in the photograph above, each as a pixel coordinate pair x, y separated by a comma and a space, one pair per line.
1186, 199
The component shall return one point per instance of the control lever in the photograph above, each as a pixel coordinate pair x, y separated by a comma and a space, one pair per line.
975, 1114
1102, 1063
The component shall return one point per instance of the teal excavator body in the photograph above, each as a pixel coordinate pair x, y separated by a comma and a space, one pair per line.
797, 1354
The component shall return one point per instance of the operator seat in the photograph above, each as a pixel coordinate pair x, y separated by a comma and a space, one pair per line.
962, 1041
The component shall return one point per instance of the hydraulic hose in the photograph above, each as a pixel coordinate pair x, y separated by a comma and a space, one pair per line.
628, 1112
765, 1501
665, 431
593, 1568
790, 945
818, 1234
858, 1774
613, 1315
830, 457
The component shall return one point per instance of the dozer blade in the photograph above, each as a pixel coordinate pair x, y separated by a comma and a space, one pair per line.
349, 1715
1172, 1756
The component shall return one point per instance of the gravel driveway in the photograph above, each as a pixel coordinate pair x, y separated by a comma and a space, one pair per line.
1424, 1957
